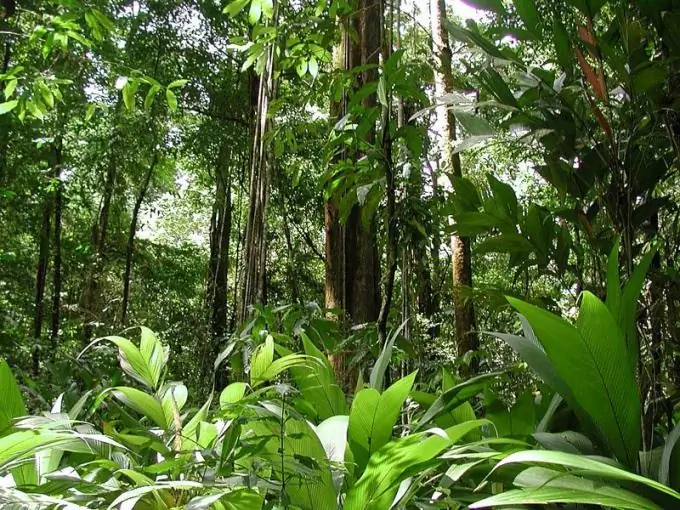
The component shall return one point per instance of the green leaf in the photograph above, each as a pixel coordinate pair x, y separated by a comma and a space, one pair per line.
529, 14
141, 402
378, 372
474, 124
8, 106
669, 446
584, 466
10, 87
398, 460
171, 98
10, 396
177, 84
544, 486
593, 361
372, 418
148, 100
382, 91
232, 394
261, 359
174, 395
313, 67
154, 355
454, 397
562, 46
25, 443
255, 12
505, 243
129, 92
267, 8
131, 360
89, 111
316, 382
235, 7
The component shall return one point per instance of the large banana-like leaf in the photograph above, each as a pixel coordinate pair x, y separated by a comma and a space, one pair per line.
373, 417
592, 359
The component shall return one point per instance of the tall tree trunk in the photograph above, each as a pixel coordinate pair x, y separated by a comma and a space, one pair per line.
466, 334
220, 238
56, 261
352, 263
41, 280
99, 230
130, 247
254, 260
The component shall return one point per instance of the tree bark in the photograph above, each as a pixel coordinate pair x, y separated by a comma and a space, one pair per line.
99, 230
56, 261
464, 312
130, 246
40, 280
254, 260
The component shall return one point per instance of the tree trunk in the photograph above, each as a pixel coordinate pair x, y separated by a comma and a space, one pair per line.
40, 280
352, 263
130, 247
254, 260
99, 229
220, 238
56, 261
466, 334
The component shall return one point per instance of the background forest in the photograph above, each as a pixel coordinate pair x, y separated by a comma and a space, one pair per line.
400, 253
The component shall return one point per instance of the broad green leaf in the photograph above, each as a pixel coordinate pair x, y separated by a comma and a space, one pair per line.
10, 396
474, 124
267, 8
255, 12
316, 382
241, 499
129, 92
233, 8
189, 431
154, 355
10, 87
141, 402
89, 111
174, 398
529, 14
232, 394
456, 396
398, 460
562, 46
307, 492
8, 106
584, 466
372, 418
378, 372
281, 365
591, 359
313, 67
546, 486
261, 359
131, 359
25, 443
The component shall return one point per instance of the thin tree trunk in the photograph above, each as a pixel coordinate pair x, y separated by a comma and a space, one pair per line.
130, 247
466, 334
56, 261
40, 280
99, 231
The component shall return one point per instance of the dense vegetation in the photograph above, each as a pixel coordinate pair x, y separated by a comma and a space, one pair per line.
358, 254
